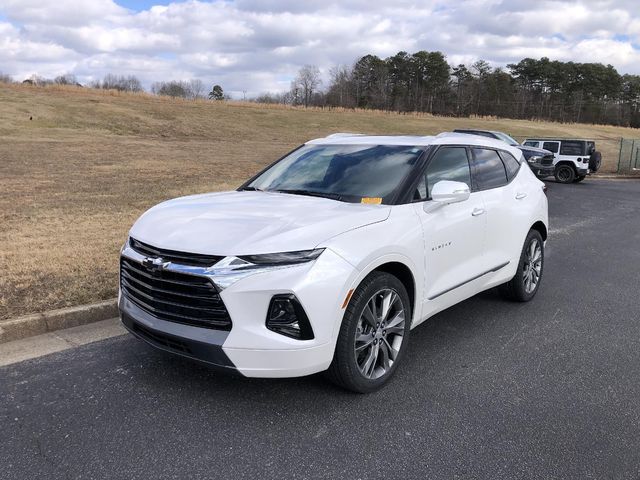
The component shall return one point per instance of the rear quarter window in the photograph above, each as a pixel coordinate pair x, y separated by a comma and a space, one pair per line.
571, 147
511, 165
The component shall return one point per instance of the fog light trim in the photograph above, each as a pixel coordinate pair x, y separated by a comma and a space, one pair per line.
287, 317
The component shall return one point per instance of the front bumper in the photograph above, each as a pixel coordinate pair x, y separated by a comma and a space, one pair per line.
542, 171
249, 348
201, 344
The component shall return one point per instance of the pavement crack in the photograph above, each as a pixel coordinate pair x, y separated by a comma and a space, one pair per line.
66, 340
48, 460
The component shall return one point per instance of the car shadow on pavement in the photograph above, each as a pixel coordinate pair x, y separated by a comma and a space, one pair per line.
430, 342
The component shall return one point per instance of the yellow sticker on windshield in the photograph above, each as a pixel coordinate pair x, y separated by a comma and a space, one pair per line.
371, 200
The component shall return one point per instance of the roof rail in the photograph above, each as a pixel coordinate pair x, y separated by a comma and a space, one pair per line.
344, 134
454, 134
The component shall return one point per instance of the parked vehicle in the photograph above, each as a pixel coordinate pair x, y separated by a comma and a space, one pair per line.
539, 160
328, 258
573, 159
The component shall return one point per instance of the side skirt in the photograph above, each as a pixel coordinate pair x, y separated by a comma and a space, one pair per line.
494, 269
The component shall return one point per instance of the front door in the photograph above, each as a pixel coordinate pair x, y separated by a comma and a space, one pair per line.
553, 147
454, 234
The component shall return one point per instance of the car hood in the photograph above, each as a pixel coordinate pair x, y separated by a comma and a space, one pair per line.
245, 223
539, 151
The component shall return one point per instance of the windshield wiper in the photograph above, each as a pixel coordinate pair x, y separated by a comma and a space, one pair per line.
311, 193
251, 189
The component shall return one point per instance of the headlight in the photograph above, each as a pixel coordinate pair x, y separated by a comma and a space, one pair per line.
286, 258
534, 159
231, 269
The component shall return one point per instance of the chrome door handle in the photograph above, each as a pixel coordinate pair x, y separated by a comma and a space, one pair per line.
477, 211
520, 196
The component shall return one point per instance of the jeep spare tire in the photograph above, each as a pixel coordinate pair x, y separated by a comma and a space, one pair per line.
595, 161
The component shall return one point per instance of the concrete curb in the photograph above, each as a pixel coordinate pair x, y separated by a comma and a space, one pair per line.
39, 323
613, 176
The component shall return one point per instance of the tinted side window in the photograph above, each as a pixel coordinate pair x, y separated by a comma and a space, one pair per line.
530, 143
570, 147
551, 146
489, 169
448, 163
511, 164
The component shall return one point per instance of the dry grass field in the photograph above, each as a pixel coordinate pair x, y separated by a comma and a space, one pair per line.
74, 178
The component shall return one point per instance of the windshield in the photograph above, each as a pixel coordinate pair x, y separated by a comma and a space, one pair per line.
506, 138
351, 173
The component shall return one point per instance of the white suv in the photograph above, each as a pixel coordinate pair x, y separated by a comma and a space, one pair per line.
328, 258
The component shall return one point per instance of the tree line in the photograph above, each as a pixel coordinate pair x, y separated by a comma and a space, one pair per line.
425, 82
191, 89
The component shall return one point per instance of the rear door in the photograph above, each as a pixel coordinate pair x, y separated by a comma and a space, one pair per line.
504, 196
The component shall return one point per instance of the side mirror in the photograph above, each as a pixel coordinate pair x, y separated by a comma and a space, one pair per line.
446, 192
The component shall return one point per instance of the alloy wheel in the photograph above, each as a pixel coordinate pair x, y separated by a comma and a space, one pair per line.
532, 268
379, 333
564, 174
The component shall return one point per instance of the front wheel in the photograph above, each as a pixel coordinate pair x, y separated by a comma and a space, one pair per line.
373, 336
525, 283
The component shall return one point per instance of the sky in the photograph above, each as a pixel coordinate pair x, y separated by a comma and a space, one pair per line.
256, 46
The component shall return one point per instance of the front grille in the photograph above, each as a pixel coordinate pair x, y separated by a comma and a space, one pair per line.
182, 258
547, 160
174, 296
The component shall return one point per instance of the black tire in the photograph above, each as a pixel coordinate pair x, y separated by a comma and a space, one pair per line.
516, 288
344, 369
595, 161
580, 178
565, 173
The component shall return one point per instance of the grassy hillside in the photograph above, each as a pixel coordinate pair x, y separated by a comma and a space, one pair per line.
74, 178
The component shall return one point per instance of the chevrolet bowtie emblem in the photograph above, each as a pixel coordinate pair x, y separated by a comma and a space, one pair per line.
154, 265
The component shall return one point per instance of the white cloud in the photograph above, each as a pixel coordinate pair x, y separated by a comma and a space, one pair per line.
257, 45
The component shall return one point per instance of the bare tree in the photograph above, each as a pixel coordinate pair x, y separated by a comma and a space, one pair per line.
340, 91
119, 82
66, 79
4, 78
173, 88
306, 84
197, 88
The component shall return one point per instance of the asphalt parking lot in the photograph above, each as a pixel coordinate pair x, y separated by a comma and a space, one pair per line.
490, 389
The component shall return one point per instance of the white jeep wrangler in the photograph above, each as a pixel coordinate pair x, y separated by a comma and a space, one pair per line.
574, 159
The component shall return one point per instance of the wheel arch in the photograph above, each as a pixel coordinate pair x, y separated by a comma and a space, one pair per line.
403, 269
540, 227
569, 163
403, 273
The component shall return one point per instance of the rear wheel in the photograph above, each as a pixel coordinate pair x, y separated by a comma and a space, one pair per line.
373, 336
525, 283
565, 174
